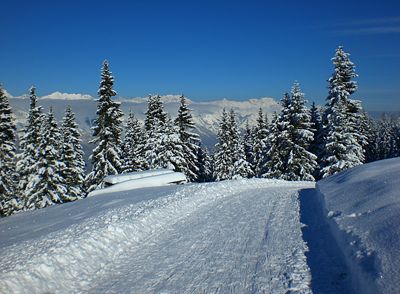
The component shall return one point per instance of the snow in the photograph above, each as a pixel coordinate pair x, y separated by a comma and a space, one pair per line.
114, 179
150, 181
363, 207
67, 96
233, 236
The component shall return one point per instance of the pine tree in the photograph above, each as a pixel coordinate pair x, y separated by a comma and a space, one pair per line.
292, 134
29, 145
8, 200
72, 157
337, 156
133, 146
317, 145
189, 139
260, 144
343, 146
155, 111
204, 165
301, 163
373, 134
107, 133
241, 168
387, 138
248, 145
358, 124
223, 160
164, 148
47, 186
229, 157
280, 144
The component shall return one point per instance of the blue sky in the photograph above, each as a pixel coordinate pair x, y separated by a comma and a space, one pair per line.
204, 49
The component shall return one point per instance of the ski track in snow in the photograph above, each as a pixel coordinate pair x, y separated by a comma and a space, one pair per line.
227, 237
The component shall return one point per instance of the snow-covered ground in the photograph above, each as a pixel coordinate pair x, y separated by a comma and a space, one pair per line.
363, 208
233, 236
245, 236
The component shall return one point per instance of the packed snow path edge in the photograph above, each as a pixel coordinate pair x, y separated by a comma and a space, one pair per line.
80, 258
329, 270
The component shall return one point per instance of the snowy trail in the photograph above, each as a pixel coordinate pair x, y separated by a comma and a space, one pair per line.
234, 236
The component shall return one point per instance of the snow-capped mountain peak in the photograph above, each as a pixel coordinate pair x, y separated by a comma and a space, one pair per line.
67, 96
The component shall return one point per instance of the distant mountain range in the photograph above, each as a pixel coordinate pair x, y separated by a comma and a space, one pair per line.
206, 114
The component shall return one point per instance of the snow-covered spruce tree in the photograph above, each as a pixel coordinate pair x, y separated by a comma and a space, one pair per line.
133, 146
337, 154
229, 157
280, 143
340, 110
155, 111
241, 168
72, 157
107, 133
204, 165
165, 149
260, 144
248, 143
223, 159
9, 201
47, 186
154, 123
358, 124
387, 138
189, 139
373, 147
301, 163
29, 144
317, 145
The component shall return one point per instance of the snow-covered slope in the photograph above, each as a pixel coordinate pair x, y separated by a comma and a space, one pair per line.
205, 114
227, 237
363, 207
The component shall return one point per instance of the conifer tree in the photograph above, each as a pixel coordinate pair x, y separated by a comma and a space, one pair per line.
107, 133
343, 146
165, 149
155, 111
229, 157
317, 145
29, 144
387, 138
373, 147
47, 186
241, 168
301, 163
189, 139
204, 165
292, 134
133, 146
279, 143
223, 160
260, 144
248, 143
72, 157
8, 200
337, 144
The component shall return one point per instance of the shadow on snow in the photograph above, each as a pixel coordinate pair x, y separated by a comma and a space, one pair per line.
326, 261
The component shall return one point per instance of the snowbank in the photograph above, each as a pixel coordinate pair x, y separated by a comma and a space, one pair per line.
363, 208
114, 179
149, 181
